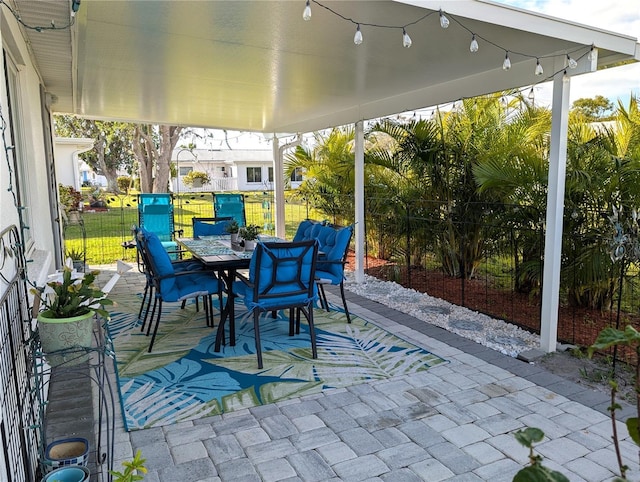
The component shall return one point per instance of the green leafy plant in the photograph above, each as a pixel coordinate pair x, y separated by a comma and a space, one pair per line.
131, 470
75, 254
193, 176
607, 338
535, 471
250, 232
72, 296
70, 198
232, 227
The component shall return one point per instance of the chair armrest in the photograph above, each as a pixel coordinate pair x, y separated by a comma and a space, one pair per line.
244, 277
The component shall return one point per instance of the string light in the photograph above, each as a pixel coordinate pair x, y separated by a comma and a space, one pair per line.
306, 14
406, 40
592, 54
473, 47
506, 65
539, 70
444, 21
531, 94
357, 38
40, 28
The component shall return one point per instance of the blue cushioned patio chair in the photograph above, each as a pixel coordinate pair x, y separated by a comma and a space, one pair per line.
210, 226
156, 214
281, 276
334, 244
174, 286
179, 265
230, 205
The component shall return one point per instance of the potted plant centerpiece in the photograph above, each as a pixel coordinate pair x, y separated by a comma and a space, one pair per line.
196, 178
250, 233
232, 228
70, 302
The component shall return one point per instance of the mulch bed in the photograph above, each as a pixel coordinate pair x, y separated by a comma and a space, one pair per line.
579, 326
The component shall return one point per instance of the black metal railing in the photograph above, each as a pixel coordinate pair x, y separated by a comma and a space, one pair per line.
19, 416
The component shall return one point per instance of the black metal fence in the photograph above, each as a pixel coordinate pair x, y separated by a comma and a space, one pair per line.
487, 257
19, 408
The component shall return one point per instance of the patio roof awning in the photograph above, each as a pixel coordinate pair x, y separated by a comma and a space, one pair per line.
258, 66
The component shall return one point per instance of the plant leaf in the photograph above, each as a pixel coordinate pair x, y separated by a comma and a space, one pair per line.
529, 436
632, 427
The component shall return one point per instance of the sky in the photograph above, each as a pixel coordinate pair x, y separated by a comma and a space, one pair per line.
620, 16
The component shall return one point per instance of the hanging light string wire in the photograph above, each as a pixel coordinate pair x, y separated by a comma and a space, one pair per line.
442, 13
42, 28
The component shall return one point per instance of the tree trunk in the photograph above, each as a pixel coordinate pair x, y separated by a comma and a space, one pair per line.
141, 139
169, 136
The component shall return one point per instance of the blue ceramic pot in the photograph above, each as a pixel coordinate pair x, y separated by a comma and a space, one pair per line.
68, 474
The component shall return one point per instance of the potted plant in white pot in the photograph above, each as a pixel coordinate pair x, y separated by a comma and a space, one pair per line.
232, 228
249, 234
196, 178
70, 302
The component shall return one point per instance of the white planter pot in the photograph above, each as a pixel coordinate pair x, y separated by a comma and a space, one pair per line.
249, 245
58, 337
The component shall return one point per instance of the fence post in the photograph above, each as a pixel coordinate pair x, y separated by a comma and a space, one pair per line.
408, 246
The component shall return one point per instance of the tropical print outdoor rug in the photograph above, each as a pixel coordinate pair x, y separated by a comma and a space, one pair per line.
184, 379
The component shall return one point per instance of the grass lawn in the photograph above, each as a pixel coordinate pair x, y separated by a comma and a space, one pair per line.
106, 230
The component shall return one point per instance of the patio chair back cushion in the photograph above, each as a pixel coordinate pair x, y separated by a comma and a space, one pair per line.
282, 275
230, 205
305, 229
210, 226
334, 247
158, 260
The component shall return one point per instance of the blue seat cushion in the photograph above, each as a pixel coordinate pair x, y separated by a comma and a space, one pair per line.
191, 285
242, 289
334, 248
201, 228
303, 233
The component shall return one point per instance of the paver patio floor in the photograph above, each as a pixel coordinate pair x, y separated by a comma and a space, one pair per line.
453, 422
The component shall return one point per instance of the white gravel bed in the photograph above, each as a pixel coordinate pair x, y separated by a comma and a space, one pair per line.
496, 334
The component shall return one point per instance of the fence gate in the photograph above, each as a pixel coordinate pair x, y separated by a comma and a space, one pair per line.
19, 411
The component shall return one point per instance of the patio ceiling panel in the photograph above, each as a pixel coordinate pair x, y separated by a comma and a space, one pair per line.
257, 66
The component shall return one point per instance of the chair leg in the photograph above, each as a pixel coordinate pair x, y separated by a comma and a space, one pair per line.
298, 320
144, 299
344, 302
312, 330
146, 312
155, 330
153, 313
323, 297
256, 327
291, 321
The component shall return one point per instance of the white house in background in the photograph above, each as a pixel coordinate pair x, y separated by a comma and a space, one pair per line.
88, 175
68, 164
229, 170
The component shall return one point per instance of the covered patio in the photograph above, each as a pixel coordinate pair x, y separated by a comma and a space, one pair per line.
452, 422
284, 67
259, 66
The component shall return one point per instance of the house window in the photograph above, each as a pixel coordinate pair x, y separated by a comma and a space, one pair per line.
254, 174
296, 175
16, 127
271, 174
185, 170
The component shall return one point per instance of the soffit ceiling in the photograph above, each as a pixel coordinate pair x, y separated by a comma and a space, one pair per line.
257, 66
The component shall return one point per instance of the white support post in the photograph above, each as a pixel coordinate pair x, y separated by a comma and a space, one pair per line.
359, 201
278, 181
278, 187
555, 208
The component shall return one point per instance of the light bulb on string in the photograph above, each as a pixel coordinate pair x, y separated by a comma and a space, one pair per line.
473, 47
357, 38
572, 63
506, 65
306, 15
444, 21
591, 55
539, 70
531, 94
406, 40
